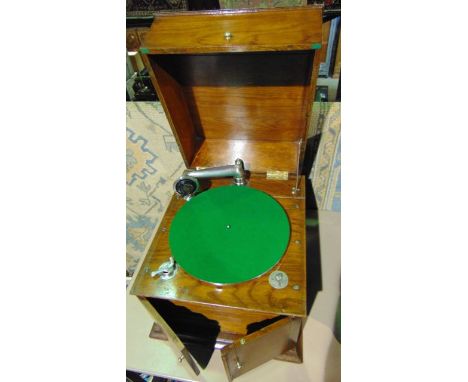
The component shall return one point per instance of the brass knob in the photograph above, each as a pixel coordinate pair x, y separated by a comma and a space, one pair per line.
227, 35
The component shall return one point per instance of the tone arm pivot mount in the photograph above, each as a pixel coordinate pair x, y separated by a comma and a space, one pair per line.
188, 185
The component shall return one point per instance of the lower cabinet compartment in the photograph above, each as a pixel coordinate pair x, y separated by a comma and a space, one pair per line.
252, 341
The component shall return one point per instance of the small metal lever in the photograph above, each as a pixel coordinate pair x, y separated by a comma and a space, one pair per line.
159, 272
166, 270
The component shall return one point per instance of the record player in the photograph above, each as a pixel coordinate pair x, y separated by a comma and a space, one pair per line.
237, 87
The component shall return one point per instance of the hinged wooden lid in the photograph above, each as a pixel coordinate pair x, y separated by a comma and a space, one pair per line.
237, 83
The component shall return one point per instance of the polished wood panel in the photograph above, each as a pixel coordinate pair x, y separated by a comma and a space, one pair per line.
177, 112
253, 96
271, 113
133, 43
251, 30
325, 36
231, 320
258, 156
224, 339
294, 354
142, 32
229, 97
261, 346
256, 294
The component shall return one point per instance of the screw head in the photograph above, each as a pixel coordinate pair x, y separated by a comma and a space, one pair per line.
295, 190
296, 287
242, 341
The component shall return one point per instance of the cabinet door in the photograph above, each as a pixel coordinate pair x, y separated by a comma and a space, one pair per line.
261, 346
184, 356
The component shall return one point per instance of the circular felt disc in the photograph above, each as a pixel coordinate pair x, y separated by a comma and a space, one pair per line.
229, 234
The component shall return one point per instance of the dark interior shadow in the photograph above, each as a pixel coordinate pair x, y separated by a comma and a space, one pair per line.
197, 332
313, 260
255, 326
199, 5
238, 69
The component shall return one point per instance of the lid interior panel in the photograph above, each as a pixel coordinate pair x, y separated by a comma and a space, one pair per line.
230, 97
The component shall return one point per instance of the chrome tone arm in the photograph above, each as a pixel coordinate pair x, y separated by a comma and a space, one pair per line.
187, 185
236, 171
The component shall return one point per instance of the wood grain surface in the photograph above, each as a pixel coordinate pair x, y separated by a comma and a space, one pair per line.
325, 36
307, 104
271, 113
231, 320
259, 347
223, 108
176, 110
258, 156
133, 42
255, 295
250, 96
272, 29
262, 92
142, 32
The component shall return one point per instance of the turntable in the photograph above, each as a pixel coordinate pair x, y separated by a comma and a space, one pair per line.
237, 87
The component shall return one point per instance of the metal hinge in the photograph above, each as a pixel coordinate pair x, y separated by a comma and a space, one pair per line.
277, 175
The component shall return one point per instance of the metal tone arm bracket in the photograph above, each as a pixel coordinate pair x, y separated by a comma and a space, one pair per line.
187, 185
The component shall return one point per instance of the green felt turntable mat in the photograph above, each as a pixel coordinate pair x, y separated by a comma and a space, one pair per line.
229, 234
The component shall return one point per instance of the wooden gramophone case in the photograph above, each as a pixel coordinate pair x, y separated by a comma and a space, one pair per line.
239, 84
